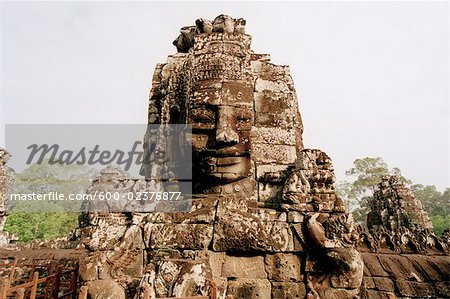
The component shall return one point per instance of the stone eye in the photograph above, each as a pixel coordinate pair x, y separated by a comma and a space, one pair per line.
203, 116
244, 117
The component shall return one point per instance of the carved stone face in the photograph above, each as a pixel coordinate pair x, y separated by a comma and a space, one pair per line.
223, 23
221, 136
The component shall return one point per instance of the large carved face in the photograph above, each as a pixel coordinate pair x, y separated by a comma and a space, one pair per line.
221, 124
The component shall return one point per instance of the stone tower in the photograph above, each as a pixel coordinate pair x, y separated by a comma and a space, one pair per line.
395, 206
247, 131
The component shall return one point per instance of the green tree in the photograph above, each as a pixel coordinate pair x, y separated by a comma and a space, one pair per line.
440, 223
47, 219
433, 201
40, 225
437, 205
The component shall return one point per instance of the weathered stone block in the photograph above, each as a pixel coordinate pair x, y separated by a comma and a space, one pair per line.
415, 289
372, 263
241, 231
249, 288
244, 267
126, 259
384, 284
105, 289
89, 269
237, 93
275, 86
284, 120
177, 278
207, 96
230, 203
283, 267
179, 236
103, 237
202, 212
272, 136
222, 284
272, 173
274, 153
368, 283
274, 102
432, 268
270, 71
216, 261
288, 290
267, 214
398, 267
442, 289
373, 294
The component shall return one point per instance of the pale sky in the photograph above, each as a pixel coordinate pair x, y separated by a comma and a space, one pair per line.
372, 77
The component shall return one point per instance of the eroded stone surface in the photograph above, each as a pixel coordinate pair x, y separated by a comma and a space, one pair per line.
394, 206
265, 220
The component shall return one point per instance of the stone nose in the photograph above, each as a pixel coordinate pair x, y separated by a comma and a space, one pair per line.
225, 135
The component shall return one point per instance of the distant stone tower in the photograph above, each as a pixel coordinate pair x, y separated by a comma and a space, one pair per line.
394, 206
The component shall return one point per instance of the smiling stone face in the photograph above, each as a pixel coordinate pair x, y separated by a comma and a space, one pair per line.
246, 128
221, 134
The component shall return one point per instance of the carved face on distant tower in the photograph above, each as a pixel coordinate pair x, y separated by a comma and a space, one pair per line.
221, 121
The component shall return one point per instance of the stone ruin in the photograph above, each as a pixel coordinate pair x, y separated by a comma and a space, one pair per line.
402, 256
395, 206
265, 220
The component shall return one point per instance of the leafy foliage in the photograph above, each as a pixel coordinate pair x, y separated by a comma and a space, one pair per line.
38, 225
47, 219
437, 205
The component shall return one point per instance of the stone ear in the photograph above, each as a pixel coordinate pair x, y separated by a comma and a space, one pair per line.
199, 24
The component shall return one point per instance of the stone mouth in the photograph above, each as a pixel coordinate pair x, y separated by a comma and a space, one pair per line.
227, 161
226, 153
